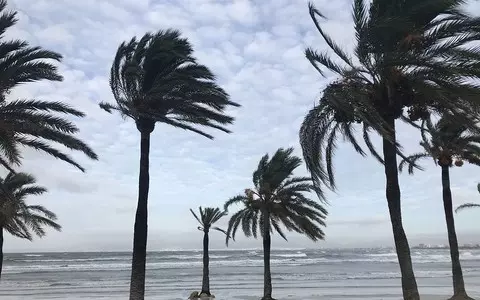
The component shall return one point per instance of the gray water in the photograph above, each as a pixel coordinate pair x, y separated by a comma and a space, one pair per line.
235, 274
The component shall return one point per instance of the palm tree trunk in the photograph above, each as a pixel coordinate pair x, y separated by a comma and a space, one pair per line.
458, 283
267, 275
137, 279
206, 260
409, 284
1, 251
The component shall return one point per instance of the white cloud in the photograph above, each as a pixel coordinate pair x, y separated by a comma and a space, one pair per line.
55, 35
256, 49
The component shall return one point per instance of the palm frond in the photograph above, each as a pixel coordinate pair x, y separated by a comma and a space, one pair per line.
18, 218
157, 79
278, 200
414, 59
32, 119
314, 13
234, 200
196, 217
467, 206
220, 229
233, 224
411, 162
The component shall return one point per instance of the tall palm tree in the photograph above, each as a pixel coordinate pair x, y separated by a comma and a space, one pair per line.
30, 122
469, 205
206, 218
277, 198
449, 141
408, 63
157, 79
16, 216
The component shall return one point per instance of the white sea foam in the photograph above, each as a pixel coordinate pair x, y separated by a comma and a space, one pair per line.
292, 255
184, 260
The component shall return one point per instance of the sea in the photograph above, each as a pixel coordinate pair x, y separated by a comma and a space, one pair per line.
305, 274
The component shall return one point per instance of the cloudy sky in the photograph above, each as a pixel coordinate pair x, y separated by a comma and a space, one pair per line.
256, 49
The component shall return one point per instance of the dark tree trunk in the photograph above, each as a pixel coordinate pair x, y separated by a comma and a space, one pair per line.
1, 251
267, 275
206, 260
137, 279
458, 283
409, 284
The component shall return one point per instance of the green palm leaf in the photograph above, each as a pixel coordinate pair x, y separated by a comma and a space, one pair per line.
16, 216
466, 206
30, 122
425, 61
446, 141
157, 79
282, 197
207, 217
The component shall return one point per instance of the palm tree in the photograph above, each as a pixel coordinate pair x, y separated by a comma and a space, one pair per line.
30, 122
469, 205
157, 79
409, 62
207, 217
277, 199
449, 141
16, 216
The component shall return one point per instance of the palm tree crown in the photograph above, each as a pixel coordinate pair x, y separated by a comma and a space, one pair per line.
450, 142
157, 79
29, 122
280, 196
411, 62
16, 216
207, 217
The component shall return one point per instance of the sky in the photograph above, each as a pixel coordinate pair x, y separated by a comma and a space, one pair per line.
256, 48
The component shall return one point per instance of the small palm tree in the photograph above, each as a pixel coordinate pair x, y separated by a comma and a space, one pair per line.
469, 205
25, 122
16, 216
158, 80
206, 218
277, 199
450, 143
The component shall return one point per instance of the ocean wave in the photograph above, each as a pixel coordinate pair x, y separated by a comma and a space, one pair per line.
251, 258
292, 255
389, 254
467, 255
182, 257
70, 260
189, 257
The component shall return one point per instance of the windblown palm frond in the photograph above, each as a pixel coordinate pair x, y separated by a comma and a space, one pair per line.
468, 205
29, 123
26, 122
19, 62
412, 59
207, 217
447, 141
16, 216
279, 199
157, 79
